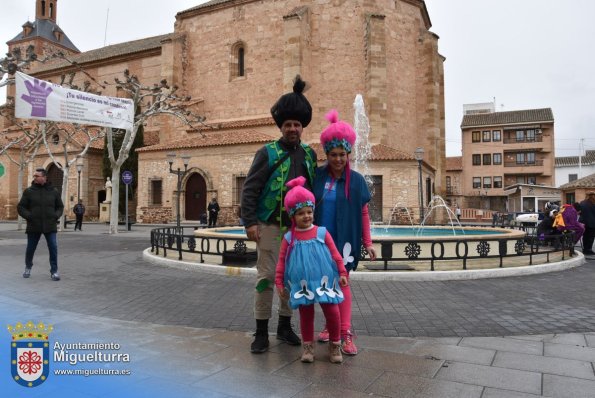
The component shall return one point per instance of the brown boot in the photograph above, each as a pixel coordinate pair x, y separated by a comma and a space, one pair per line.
308, 354
334, 351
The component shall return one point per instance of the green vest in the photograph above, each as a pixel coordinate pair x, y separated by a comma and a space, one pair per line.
272, 195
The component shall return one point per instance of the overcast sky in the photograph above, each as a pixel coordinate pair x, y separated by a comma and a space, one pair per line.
525, 54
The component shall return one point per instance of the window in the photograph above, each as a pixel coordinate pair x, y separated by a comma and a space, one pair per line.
487, 159
448, 183
531, 180
241, 61
520, 135
570, 197
497, 182
238, 187
520, 158
55, 139
475, 136
530, 135
43, 8
497, 157
487, 136
476, 182
156, 193
530, 156
476, 160
572, 177
487, 182
237, 64
496, 135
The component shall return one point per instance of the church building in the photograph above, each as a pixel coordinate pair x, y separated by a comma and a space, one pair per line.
235, 58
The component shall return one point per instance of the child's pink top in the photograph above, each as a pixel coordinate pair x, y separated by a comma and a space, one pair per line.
307, 235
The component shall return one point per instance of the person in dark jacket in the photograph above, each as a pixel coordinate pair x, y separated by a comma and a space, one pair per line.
213, 209
79, 212
264, 218
41, 206
587, 217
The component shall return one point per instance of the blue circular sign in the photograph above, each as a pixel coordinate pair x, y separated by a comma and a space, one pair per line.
127, 177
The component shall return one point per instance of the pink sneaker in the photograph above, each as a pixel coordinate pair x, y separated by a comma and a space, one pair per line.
348, 347
323, 336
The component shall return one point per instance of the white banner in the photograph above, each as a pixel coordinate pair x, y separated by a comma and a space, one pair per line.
38, 99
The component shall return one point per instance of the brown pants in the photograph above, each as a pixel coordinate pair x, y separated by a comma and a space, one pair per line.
268, 255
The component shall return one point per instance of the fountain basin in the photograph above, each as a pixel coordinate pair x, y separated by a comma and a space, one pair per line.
397, 233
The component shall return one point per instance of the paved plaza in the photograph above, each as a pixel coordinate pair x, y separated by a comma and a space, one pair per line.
189, 332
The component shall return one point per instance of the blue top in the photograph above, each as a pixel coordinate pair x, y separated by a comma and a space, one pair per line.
346, 214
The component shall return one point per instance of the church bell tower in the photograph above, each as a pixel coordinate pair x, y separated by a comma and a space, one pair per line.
46, 9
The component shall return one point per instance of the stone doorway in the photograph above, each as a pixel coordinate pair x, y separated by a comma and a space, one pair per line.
195, 197
55, 177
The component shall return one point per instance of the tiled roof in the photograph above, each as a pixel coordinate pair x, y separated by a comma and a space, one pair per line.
115, 50
587, 160
210, 139
235, 124
204, 5
45, 28
454, 163
511, 117
379, 152
585, 182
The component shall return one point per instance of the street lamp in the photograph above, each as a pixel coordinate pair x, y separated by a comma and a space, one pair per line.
170, 159
419, 156
79, 168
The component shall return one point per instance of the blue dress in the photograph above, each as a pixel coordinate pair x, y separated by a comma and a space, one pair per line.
311, 274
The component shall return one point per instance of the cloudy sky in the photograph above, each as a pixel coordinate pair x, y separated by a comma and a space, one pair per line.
522, 54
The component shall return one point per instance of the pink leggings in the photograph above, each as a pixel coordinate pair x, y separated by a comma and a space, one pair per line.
344, 310
331, 314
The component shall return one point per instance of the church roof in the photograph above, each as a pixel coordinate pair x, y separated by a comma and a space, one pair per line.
45, 28
211, 139
103, 53
543, 115
379, 152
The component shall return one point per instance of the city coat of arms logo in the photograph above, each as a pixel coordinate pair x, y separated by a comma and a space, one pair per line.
29, 353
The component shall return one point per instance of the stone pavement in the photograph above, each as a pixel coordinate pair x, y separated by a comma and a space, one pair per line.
188, 332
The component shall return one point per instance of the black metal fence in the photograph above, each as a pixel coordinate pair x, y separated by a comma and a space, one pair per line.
396, 251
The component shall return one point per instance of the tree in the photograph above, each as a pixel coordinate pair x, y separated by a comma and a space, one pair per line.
159, 99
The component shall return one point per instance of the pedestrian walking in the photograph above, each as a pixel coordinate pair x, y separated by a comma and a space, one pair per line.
310, 270
79, 212
41, 206
262, 206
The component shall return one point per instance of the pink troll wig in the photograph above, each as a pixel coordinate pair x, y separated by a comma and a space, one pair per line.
339, 134
298, 197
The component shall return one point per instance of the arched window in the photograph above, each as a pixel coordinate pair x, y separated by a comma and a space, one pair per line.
241, 61
237, 65
51, 10
43, 8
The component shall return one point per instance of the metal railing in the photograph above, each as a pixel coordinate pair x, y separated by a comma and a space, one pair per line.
398, 250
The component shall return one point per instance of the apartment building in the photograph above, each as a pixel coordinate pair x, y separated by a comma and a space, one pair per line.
503, 149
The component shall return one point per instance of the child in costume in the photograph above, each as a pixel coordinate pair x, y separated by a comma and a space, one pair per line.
310, 270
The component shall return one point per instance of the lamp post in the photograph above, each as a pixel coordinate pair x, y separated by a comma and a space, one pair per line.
79, 168
419, 156
180, 173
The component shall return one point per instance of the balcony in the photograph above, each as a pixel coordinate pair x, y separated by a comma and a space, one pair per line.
514, 140
514, 163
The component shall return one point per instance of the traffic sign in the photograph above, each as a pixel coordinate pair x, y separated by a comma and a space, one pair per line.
127, 177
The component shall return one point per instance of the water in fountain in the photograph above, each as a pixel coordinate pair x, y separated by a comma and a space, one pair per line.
438, 203
363, 149
400, 209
